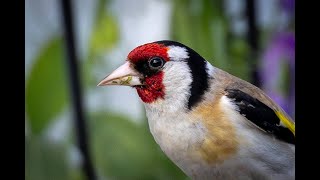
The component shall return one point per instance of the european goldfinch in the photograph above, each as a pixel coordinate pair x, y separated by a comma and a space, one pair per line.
211, 124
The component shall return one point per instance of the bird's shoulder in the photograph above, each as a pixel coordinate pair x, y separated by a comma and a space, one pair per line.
257, 107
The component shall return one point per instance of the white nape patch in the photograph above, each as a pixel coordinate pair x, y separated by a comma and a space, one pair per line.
209, 68
177, 80
177, 53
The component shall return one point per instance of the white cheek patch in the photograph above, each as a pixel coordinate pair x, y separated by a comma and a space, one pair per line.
177, 80
177, 53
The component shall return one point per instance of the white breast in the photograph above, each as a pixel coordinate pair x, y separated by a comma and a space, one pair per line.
176, 135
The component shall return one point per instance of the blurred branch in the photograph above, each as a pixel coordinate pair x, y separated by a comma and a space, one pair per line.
253, 39
73, 70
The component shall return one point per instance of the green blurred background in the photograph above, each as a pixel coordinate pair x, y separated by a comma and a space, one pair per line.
120, 143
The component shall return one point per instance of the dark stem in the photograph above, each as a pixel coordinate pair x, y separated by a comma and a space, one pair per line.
253, 39
75, 87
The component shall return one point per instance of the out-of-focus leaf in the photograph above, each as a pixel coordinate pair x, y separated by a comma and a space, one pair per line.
181, 23
104, 35
219, 48
101, 8
44, 160
201, 26
238, 55
124, 150
46, 91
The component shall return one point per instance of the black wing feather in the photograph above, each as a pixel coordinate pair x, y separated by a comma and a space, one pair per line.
260, 114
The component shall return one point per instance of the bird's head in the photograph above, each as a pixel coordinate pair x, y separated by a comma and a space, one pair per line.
163, 72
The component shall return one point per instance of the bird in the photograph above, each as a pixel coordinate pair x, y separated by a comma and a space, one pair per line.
208, 122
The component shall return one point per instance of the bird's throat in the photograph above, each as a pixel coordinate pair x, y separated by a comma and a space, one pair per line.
153, 89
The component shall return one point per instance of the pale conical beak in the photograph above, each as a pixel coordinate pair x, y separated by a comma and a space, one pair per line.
124, 75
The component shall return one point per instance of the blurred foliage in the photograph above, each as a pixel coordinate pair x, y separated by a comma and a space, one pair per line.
125, 150
46, 90
105, 34
202, 25
45, 160
284, 78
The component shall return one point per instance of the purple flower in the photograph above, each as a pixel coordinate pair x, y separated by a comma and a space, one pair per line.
280, 50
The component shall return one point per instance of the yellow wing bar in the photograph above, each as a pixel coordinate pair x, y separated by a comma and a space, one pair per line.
289, 124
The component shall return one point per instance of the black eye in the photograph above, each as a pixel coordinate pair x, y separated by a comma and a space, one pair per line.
156, 63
